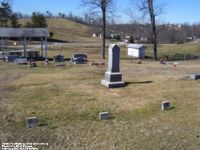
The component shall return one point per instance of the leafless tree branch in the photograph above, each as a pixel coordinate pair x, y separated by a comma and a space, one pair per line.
152, 9
103, 8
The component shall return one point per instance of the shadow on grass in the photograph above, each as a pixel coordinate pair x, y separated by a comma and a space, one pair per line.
111, 118
171, 108
140, 82
42, 124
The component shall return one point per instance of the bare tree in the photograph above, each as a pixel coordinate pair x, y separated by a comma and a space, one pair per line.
102, 7
149, 7
153, 25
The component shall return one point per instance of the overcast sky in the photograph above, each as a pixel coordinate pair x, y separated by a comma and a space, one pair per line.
177, 11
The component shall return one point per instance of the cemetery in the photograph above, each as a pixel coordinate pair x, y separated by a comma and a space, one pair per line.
94, 83
72, 102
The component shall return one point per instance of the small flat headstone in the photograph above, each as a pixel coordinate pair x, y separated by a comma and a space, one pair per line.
165, 105
31, 122
104, 116
195, 76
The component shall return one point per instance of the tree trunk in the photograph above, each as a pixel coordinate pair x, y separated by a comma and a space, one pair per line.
6, 23
153, 25
155, 45
104, 33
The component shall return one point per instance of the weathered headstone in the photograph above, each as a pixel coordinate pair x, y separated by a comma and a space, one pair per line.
195, 76
104, 116
165, 105
31, 122
21, 61
59, 58
113, 76
79, 58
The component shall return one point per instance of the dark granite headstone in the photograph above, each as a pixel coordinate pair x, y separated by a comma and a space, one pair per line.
165, 105
104, 116
195, 76
31, 122
79, 58
59, 58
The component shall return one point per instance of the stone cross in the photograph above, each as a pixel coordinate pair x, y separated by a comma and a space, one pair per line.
113, 77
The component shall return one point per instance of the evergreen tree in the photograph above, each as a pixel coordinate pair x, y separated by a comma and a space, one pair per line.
38, 20
5, 13
14, 21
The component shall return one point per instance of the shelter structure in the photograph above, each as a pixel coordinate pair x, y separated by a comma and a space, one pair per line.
24, 34
136, 50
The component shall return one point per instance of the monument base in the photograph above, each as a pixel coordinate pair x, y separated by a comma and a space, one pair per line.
113, 77
112, 84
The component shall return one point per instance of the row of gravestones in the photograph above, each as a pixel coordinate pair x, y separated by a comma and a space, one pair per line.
32, 122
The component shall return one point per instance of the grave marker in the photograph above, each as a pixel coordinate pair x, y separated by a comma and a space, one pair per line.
195, 76
79, 58
113, 77
165, 105
31, 122
104, 116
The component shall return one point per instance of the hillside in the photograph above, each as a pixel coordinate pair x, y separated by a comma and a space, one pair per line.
67, 30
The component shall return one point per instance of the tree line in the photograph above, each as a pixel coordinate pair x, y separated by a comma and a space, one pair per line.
8, 18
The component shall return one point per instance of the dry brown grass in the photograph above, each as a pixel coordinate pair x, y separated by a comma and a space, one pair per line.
67, 101
67, 30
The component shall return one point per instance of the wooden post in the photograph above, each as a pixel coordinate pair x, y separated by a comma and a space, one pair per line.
46, 47
42, 46
25, 47
2, 47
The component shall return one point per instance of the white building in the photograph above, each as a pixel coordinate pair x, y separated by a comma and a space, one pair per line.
136, 51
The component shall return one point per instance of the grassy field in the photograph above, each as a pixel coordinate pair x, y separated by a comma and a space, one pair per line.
67, 30
179, 51
67, 101
174, 52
